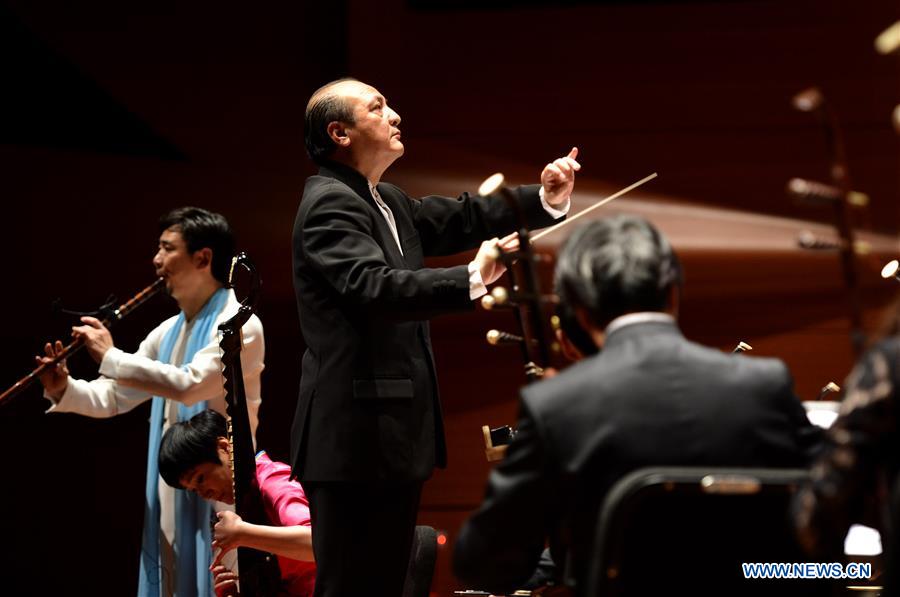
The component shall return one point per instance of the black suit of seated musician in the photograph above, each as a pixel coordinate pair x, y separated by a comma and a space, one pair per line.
649, 398
368, 429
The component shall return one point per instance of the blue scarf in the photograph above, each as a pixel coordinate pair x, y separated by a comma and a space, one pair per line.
192, 513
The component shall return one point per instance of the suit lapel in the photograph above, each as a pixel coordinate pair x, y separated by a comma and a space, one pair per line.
359, 185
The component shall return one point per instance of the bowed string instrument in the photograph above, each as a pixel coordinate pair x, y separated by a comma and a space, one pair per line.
525, 297
527, 301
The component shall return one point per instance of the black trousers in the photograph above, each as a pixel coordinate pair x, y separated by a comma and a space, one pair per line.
362, 535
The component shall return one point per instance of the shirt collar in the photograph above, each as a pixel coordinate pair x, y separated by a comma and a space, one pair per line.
348, 176
375, 195
635, 318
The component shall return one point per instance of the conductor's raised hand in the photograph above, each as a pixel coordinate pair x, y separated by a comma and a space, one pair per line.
96, 337
558, 178
55, 378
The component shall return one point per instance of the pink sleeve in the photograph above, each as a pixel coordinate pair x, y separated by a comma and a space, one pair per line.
284, 499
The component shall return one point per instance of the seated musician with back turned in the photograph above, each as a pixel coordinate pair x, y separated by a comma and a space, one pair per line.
648, 398
194, 456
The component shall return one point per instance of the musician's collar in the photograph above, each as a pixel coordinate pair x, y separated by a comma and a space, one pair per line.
635, 318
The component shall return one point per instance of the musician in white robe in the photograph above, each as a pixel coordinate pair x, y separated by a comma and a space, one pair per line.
178, 365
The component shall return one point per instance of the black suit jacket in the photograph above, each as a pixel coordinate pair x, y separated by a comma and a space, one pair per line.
650, 398
368, 407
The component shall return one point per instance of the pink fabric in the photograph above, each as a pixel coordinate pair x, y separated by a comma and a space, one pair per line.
286, 505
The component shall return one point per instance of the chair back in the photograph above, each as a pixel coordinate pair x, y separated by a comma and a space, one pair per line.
421, 563
689, 530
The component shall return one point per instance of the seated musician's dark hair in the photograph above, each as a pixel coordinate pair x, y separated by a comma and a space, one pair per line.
190, 443
615, 266
323, 108
577, 335
200, 229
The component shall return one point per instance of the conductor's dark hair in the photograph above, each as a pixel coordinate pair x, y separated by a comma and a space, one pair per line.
203, 229
324, 107
615, 266
188, 444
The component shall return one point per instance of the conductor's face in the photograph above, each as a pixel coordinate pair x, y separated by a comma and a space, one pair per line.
375, 133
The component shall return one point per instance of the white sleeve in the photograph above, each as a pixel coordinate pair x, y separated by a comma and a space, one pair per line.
201, 379
252, 363
555, 212
128, 380
104, 396
477, 289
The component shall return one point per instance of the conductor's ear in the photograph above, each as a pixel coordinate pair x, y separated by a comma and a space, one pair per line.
337, 132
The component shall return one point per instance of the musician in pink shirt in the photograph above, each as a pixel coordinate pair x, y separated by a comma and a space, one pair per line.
194, 457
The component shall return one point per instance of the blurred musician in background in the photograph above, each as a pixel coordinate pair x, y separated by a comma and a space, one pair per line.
368, 428
194, 456
178, 365
648, 398
855, 478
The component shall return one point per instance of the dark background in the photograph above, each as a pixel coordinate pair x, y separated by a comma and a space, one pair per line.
112, 113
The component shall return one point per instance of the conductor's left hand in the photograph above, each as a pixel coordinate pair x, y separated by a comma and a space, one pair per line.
558, 178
